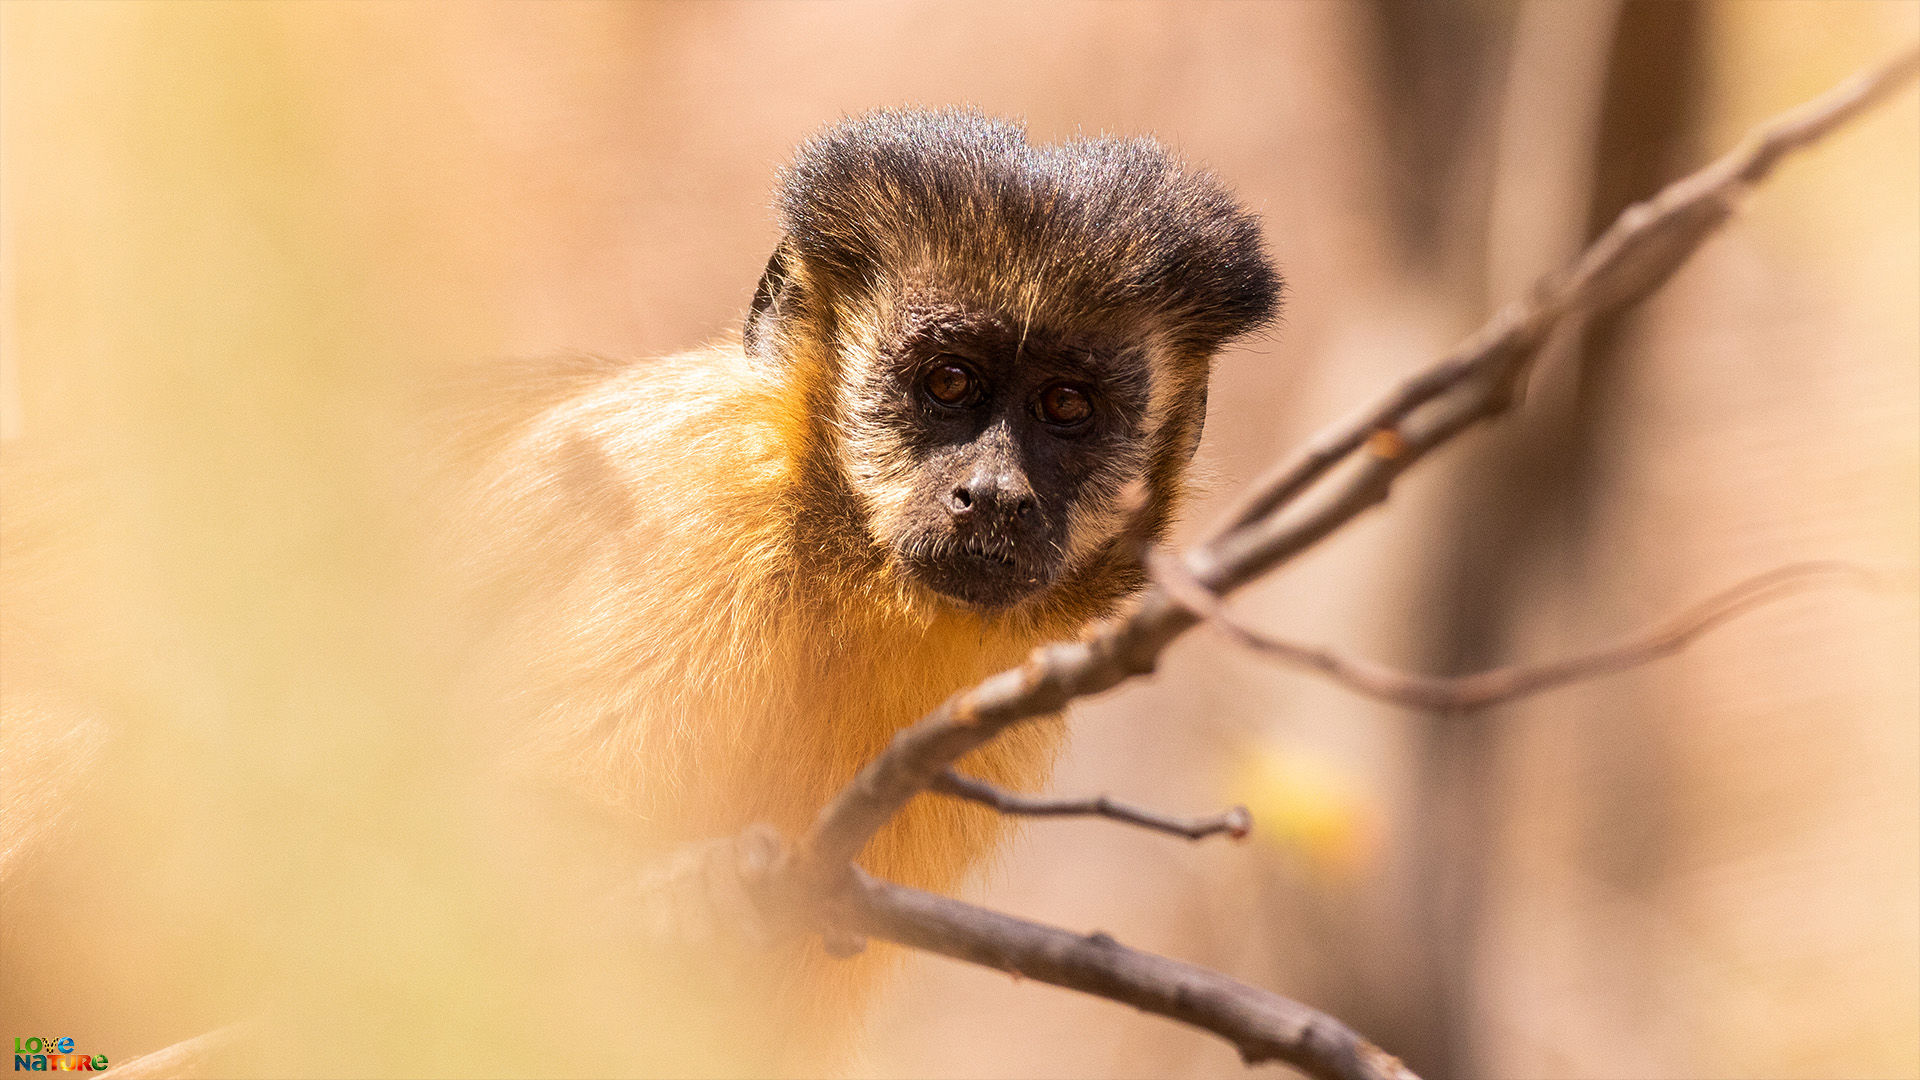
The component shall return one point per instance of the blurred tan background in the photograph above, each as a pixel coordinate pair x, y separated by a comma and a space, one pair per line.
232, 235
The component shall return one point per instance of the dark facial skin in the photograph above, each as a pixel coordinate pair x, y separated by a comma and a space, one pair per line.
1008, 433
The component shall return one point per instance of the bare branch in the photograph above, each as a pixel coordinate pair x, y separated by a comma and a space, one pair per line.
1341, 474
1275, 523
1263, 1026
1491, 687
1235, 822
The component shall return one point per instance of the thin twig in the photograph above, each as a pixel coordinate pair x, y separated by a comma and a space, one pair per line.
1235, 822
1483, 688
1262, 1025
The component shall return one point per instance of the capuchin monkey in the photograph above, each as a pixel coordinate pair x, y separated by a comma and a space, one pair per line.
700, 592
965, 399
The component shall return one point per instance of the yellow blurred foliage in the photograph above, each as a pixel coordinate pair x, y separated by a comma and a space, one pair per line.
1312, 805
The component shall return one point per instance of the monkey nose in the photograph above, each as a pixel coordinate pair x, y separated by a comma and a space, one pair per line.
966, 501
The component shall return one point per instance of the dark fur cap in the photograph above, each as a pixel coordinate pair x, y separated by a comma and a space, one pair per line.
1090, 229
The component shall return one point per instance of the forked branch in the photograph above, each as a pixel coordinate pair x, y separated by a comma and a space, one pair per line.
1341, 474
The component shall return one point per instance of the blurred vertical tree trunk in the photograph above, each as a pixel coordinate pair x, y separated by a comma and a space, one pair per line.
1516, 518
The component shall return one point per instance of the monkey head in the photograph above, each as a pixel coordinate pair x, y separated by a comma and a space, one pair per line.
1008, 344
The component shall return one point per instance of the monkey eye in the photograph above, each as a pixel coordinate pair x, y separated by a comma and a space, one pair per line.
951, 385
1065, 405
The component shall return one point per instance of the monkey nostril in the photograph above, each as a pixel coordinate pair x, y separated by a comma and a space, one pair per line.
959, 502
1022, 507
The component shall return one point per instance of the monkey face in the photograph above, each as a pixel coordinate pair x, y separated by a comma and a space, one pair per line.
995, 459
1015, 341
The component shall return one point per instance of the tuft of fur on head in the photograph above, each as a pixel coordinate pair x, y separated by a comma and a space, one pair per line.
1090, 228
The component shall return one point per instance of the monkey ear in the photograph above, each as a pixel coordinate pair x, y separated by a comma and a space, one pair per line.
773, 301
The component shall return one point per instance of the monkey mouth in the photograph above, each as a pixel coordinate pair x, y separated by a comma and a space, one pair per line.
975, 549
977, 573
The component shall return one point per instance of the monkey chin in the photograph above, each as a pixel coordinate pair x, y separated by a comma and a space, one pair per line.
980, 580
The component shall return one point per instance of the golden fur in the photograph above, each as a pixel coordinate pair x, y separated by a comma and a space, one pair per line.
687, 634
660, 550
